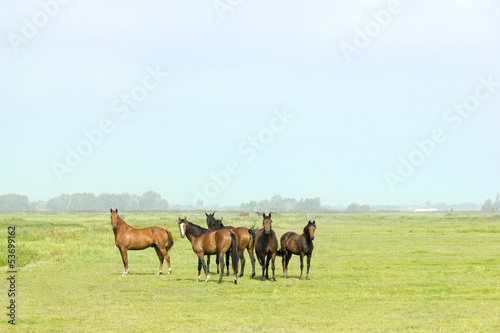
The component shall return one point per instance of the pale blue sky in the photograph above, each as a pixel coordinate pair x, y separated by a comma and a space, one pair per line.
349, 118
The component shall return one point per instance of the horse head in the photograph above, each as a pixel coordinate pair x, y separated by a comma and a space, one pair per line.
310, 228
266, 223
183, 226
211, 223
114, 218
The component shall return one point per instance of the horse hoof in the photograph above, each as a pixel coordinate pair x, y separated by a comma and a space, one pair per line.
159, 273
169, 271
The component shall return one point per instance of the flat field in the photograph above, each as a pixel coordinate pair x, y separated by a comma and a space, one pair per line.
383, 271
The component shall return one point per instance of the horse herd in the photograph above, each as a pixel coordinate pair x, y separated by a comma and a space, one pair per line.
222, 241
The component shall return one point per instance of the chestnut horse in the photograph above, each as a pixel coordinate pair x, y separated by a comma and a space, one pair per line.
302, 245
130, 238
204, 241
266, 245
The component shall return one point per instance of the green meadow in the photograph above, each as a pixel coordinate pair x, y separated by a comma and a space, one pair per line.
370, 272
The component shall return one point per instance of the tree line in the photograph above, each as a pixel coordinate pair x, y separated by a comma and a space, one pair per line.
150, 200
490, 205
279, 204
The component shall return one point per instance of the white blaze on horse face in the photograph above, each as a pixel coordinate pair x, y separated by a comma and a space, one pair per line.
183, 229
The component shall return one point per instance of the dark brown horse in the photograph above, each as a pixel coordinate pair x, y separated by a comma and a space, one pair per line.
130, 238
266, 245
301, 245
204, 241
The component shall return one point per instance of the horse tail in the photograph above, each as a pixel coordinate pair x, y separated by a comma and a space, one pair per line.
252, 235
170, 239
234, 252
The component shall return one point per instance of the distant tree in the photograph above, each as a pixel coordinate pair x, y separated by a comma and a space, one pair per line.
14, 202
252, 205
60, 203
487, 205
308, 205
277, 203
83, 201
364, 208
263, 205
354, 207
496, 204
151, 200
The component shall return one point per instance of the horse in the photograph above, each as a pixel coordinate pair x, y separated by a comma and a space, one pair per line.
246, 240
130, 238
215, 225
244, 214
204, 241
302, 245
266, 245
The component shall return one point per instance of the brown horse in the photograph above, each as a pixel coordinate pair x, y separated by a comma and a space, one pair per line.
266, 245
302, 245
246, 240
130, 238
204, 241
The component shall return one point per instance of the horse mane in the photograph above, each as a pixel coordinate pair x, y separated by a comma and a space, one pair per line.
123, 221
196, 229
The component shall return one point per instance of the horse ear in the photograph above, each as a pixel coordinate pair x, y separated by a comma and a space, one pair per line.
206, 214
269, 215
314, 222
221, 219
179, 218
111, 210
116, 210
185, 218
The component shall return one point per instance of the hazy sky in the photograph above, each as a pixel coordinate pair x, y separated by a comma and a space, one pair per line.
378, 102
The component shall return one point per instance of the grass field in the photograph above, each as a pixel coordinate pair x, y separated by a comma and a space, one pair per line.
379, 272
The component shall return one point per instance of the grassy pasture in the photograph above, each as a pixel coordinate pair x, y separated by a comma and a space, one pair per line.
379, 271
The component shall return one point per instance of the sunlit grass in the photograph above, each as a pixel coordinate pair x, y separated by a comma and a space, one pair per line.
369, 272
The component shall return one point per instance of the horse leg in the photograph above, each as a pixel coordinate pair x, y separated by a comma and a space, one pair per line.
123, 252
263, 264
301, 264
160, 257
283, 262
167, 259
288, 257
208, 263
199, 270
308, 264
268, 259
241, 255
252, 261
227, 262
221, 260
201, 259
273, 258
217, 263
